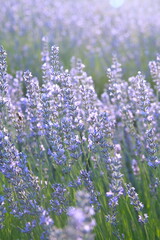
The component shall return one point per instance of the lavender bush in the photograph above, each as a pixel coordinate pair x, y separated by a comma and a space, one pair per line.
60, 138
78, 161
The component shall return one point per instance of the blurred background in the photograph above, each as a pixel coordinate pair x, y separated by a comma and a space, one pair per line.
88, 29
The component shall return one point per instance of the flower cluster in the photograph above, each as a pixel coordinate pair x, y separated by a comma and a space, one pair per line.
80, 224
134, 200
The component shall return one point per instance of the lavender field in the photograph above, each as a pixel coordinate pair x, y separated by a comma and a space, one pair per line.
80, 120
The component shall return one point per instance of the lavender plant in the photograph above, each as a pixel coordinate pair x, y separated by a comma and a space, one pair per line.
58, 137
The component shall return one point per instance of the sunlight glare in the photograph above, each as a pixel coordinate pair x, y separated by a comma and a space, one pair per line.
116, 3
